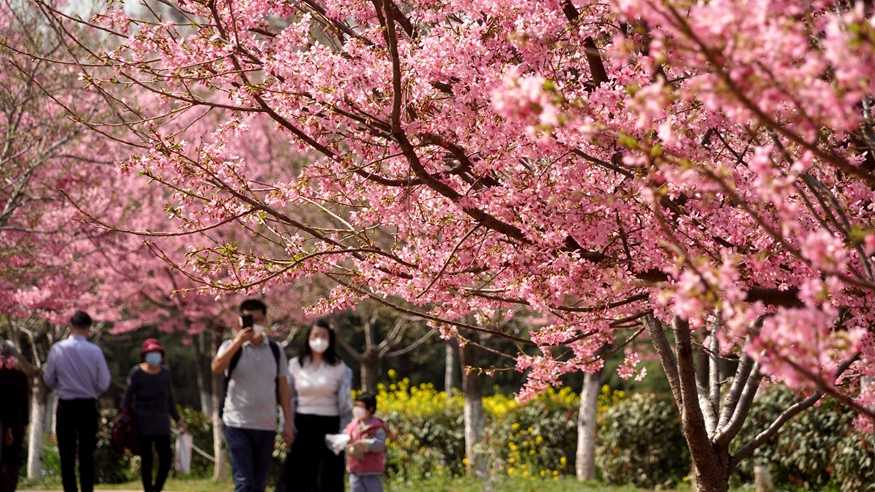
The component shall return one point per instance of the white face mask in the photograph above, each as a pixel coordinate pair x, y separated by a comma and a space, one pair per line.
258, 329
318, 345
359, 413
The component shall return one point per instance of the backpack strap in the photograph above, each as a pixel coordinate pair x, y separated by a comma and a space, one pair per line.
275, 349
235, 359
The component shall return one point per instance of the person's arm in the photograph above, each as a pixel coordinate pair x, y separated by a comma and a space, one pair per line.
171, 403
103, 377
377, 443
227, 350
282, 385
344, 397
50, 372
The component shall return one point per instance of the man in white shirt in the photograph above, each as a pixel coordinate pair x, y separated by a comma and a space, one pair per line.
256, 373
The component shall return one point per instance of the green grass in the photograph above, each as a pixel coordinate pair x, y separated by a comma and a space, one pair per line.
504, 484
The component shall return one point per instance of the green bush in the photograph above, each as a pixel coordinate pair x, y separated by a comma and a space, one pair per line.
110, 467
534, 440
854, 462
640, 442
815, 449
537, 439
200, 426
428, 428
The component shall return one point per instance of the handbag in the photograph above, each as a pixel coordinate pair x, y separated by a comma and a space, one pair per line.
124, 434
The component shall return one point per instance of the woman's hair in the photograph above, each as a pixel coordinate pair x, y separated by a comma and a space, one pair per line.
330, 355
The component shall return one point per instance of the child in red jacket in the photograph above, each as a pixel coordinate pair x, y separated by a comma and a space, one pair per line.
366, 452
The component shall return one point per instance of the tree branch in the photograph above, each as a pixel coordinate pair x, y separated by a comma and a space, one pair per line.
747, 450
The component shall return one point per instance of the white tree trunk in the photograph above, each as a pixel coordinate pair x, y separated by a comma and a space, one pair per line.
475, 418
203, 374
586, 427
762, 479
449, 366
474, 424
220, 461
36, 436
51, 412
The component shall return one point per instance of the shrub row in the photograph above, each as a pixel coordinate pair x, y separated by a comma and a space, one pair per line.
639, 440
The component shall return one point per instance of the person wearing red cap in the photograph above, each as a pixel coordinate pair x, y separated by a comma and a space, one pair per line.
149, 399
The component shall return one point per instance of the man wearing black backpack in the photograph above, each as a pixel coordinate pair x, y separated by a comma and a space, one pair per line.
256, 383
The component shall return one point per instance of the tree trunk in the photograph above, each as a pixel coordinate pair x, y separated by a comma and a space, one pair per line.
369, 365
762, 479
203, 375
36, 437
51, 411
449, 366
217, 383
219, 463
710, 462
586, 426
474, 419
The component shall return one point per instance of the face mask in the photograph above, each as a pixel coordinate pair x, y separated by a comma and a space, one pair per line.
258, 329
153, 358
359, 413
318, 345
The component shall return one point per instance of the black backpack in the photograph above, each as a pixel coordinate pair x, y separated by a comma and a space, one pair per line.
274, 349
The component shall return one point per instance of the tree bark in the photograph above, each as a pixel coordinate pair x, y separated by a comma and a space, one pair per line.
36, 436
369, 366
449, 366
762, 479
474, 417
586, 426
218, 383
711, 463
203, 375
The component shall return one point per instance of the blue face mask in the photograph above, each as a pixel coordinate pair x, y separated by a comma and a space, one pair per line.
153, 358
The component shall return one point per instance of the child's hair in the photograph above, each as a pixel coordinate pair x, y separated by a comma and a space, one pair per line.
369, 400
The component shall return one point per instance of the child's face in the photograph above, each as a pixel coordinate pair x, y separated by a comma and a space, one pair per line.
360, 412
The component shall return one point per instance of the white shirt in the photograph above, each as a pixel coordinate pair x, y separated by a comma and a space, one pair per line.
322, 390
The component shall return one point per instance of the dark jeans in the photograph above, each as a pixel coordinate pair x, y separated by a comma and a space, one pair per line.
161, 445
310, 466
76, 428
251, 455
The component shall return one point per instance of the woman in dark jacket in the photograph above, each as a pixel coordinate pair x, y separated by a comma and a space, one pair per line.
13, 417
149, 399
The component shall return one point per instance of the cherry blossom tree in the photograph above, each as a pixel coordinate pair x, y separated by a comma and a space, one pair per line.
701, 172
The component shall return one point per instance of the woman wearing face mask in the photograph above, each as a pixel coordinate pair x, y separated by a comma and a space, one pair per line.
149, 398
321, 392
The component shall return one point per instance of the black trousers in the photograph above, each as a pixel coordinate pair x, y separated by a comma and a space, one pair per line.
76, 428
11, 457
149, 446
310, 466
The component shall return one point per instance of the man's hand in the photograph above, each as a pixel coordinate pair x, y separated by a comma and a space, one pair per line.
243, 336
288, 434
